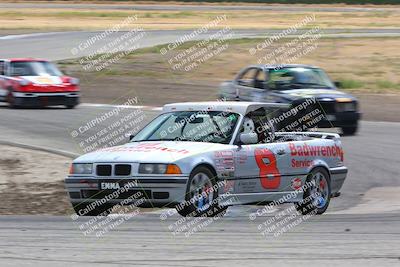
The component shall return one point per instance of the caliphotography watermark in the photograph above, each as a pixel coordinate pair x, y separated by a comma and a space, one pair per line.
199, 218
125, 208
109, 128
182, 58
108, 47
277, 222
299, 42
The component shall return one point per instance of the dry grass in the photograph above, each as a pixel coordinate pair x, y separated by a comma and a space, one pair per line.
66, 19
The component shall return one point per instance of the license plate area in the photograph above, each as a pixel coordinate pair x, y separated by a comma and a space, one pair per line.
116, 185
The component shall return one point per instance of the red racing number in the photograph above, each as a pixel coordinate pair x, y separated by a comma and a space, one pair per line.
267, 168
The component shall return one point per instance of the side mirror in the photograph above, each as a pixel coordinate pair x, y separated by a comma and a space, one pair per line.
248, 138
131, 137
338, 84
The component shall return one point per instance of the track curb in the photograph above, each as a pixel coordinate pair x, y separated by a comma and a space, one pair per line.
42, 149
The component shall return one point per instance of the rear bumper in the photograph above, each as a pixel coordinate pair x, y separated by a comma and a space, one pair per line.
46, 99
154, 191
338, 175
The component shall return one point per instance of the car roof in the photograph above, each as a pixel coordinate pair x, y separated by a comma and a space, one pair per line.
24, 59
229, 106
283, 66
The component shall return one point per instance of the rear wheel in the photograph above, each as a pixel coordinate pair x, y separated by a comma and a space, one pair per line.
317, 195
201, 198
83, 209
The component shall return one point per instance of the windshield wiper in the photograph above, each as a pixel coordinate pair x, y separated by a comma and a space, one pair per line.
311, 84
144, 140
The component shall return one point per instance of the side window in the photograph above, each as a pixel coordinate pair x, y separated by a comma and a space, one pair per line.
280, 78
2, 67
247, 77
263, 129
260, 80
258, 121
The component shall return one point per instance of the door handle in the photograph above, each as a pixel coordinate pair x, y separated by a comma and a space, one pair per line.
281, 152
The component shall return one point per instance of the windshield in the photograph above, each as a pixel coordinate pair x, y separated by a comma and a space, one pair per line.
195, 126
33, 68
298, 78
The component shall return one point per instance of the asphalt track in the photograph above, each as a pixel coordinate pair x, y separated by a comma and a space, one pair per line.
145, 240
65, 45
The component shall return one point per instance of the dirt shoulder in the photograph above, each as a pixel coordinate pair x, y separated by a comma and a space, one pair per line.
32, 182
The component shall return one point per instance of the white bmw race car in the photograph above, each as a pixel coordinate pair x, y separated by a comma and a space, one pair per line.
205, 156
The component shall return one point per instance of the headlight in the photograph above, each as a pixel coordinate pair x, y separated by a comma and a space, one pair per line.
24, 82
74, 81
345, 107
151, 168
81, 168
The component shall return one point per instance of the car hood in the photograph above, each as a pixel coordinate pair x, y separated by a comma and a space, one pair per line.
149, 152
43, 80
316, 93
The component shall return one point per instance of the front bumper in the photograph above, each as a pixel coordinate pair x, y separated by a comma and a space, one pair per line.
154, 191
27, 99
340, 119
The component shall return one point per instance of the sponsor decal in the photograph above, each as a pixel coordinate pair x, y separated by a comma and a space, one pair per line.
145, 148
301, 163
103, 185
296, 183
229, 186
224, 161
242, 155
269, 173
247, 186
306, 150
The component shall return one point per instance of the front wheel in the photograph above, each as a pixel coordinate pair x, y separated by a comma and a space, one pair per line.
349, 130
11, 99
70, 106
201, 197
317, 194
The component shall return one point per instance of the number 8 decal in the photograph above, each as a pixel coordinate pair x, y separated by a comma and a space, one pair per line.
267, 168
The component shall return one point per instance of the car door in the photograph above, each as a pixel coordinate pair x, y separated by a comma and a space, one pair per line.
265, 166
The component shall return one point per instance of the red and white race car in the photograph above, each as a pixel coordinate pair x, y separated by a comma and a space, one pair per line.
36, 82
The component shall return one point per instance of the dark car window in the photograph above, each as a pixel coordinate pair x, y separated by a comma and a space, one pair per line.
247, 77
2, 68
298, 78
260, 79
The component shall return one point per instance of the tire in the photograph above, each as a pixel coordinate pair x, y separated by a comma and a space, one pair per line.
70, 106
103, 210
200, 184
11, 99
350, 130
320, 183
